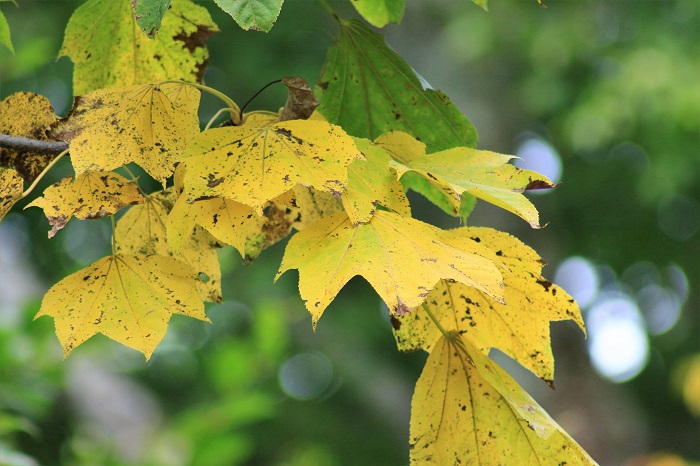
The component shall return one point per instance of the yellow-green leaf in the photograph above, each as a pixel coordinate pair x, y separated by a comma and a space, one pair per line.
90, 195
5, 32
519, 328
109, 49
371, 183
150, 125
27, 115
483, 174
379, 13
142, 231
11, 188
253, 165
400, 257
128, 298
466, 410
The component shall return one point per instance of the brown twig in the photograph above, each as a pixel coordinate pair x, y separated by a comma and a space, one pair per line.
21, 144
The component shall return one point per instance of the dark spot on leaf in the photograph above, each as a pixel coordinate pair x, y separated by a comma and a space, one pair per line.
396, 323
538, 184
283, 131
545, 284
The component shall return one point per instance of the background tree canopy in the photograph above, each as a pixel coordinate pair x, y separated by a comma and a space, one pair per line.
600, 96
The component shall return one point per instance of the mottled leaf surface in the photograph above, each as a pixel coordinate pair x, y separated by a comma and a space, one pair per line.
253, 165
128, 298
519, 328
258, 15
11, 188
466, 410
379, 13
372, 183
27, 115
150, 125
143, 231
90, 195
369, 90
400, 257
483, 174
149, 15
109, 49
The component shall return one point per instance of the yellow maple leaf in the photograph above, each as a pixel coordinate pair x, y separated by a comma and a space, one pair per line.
519, 328
466, 410
370, 183
232, 223
402, 258
128, 298
143, 230
28, 115
253, 165
108, 49
11, 188
483, 174
314, 205
90, 195
149, 125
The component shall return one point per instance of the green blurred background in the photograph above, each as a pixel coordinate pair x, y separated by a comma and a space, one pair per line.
603, 96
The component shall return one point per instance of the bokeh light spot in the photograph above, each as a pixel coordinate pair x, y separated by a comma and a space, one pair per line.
306, 376
537, 155
579, 278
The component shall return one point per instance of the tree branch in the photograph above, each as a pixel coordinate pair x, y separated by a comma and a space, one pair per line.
21, 144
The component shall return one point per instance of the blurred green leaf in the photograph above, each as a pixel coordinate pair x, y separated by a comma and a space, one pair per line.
369, 90
379, 13
5, 30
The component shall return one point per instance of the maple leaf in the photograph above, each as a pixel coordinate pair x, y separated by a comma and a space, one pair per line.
486, 175
109, 50
379, 13
232, 223
90, 195
400, 257
371, 183
143, 231
256, 15
11, 188
369, 90
467, 410
128, 298
253, 165
27, 115
314, 205
519, 328
148, 14
149, 125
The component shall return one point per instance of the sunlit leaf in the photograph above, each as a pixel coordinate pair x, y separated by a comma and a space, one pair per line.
150, 125
258, 15
143, 231
400, 257
91, 195
11, 188
371, 183
254, 165
232, 223
483, 174
5, 31
379, 13
149, 14
466, 410
519, 328
128, 298
27, 115
369, 90
314, 205
109, 49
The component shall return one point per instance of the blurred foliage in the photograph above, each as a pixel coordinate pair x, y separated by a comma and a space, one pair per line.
611, 85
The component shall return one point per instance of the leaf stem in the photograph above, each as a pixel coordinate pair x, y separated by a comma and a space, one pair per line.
255, 95
435, 321
213, 119
235, 111
41, 175
135, 179
330, 10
